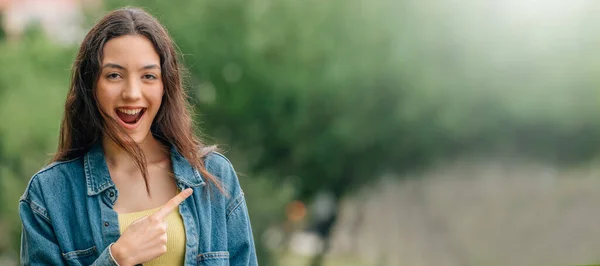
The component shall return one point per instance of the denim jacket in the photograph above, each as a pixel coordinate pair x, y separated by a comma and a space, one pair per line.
68, 219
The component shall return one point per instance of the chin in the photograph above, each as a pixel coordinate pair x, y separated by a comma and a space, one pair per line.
139, 138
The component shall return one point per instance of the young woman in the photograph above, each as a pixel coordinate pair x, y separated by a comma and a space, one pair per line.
130, 183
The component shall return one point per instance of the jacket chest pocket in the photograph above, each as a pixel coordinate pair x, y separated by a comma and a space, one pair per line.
215, 258
81, 257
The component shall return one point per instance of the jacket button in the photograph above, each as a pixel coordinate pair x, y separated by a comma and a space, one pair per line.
106, 224
112, 194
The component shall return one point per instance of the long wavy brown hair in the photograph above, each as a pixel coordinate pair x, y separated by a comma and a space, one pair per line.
84, 123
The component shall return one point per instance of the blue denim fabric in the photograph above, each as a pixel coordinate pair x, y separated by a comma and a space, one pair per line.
68, 219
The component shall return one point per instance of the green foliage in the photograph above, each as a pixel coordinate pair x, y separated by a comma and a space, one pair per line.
34, 78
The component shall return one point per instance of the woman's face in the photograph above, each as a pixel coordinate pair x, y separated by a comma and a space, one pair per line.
130, 86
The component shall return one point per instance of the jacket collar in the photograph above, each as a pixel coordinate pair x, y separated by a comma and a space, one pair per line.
98, 178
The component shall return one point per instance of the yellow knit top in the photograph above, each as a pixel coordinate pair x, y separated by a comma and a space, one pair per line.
175, 236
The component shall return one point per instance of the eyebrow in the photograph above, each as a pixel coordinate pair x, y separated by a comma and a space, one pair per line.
112, 65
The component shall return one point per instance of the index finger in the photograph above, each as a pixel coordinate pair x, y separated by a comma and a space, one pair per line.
163, 212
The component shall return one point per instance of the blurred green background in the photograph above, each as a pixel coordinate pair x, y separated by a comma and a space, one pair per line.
364, 132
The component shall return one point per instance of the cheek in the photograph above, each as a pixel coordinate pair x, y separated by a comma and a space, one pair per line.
103, 96
107, 96
157, 96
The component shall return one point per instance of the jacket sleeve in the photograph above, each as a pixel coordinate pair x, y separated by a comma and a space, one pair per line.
38, 242
240, 241
239, 234
39, 245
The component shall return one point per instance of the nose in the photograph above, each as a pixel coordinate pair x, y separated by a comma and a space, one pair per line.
133, 91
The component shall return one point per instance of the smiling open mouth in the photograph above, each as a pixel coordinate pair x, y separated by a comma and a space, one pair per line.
130, 116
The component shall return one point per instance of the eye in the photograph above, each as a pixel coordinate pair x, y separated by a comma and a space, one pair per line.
150, 76
113, 76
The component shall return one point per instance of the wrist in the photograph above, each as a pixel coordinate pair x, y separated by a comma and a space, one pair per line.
119, 255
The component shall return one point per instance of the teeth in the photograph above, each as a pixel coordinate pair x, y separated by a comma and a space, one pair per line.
130, 111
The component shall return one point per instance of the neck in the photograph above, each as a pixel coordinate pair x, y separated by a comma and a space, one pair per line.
152, 149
